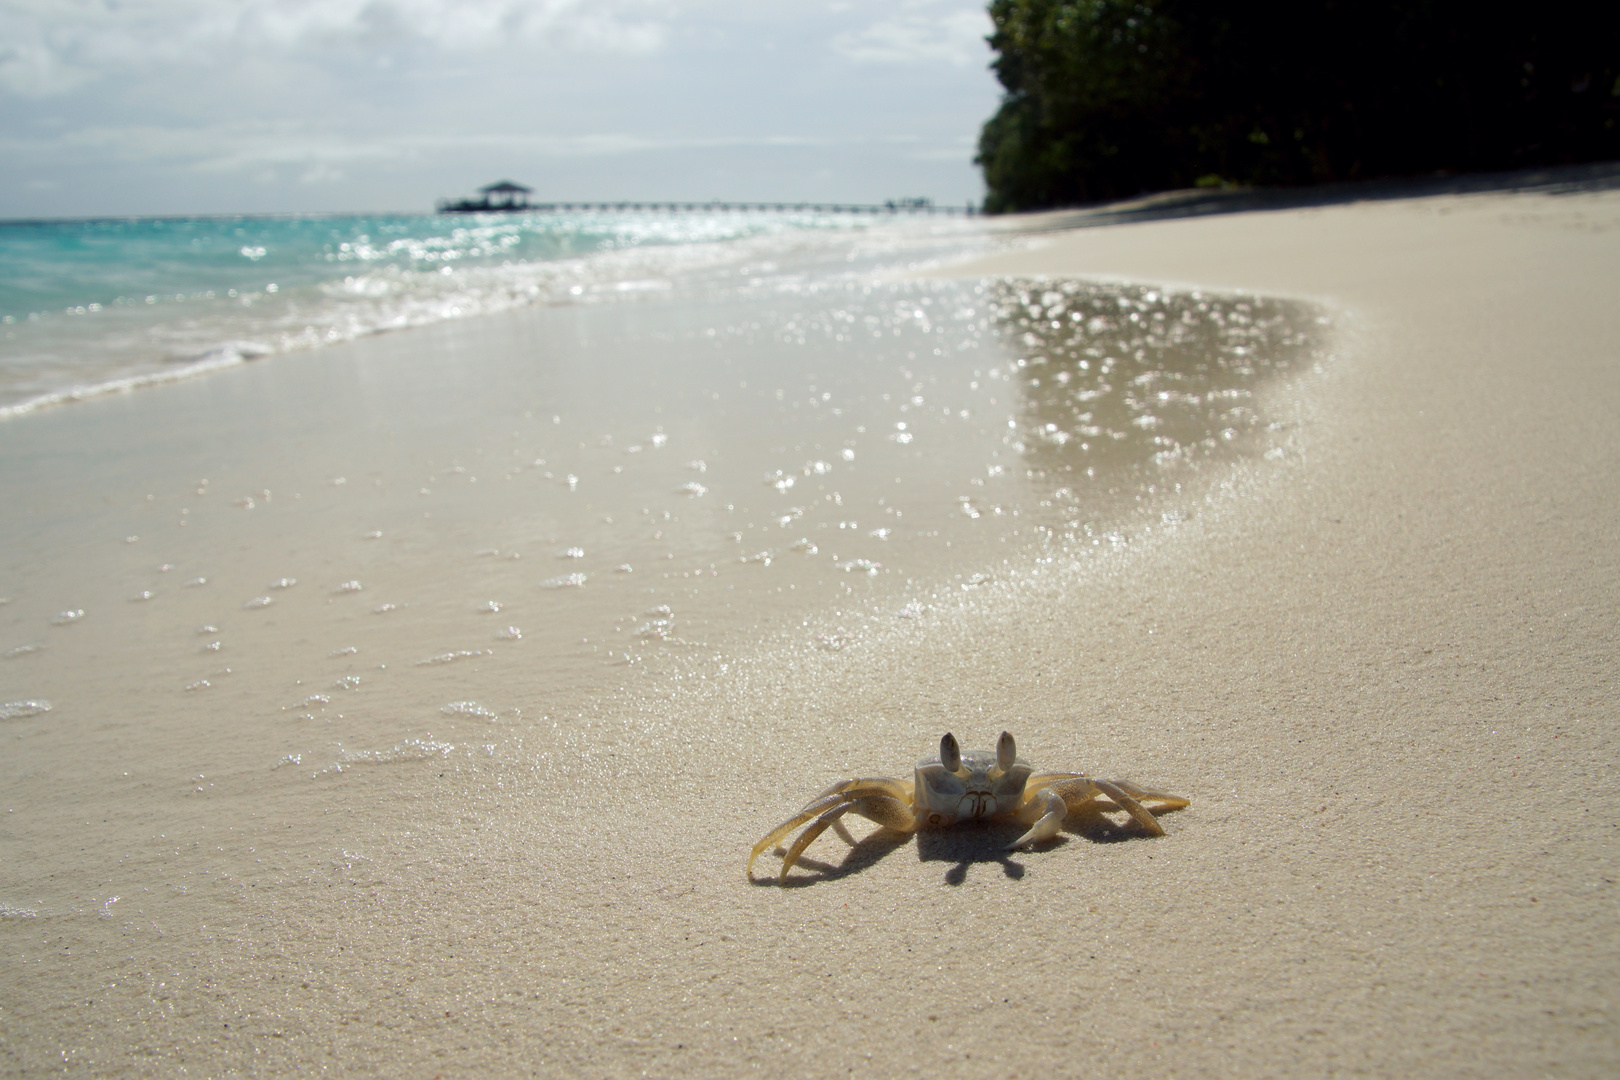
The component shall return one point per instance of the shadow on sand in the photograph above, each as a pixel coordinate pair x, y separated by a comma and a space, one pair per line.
961, 847
1203, 202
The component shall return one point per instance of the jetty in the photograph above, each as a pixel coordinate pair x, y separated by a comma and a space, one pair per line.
503, 197
507, 197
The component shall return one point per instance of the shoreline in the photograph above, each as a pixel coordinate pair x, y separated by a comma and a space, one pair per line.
1350, 657
281, 285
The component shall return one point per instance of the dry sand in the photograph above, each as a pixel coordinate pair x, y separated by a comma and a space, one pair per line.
1381, 664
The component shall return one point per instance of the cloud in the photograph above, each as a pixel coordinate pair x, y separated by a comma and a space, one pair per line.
920, 36
252, 149
322, 173
49, 47
618, 26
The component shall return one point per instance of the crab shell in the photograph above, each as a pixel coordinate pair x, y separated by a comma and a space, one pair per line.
969, 785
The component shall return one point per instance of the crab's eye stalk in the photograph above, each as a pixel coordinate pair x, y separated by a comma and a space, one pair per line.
950, 755
1006, 751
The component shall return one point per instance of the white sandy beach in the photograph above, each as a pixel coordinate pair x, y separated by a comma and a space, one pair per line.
1380, 661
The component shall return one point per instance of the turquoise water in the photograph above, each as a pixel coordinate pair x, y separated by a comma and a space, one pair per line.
88, 307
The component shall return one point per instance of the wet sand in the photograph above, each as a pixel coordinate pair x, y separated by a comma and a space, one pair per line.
1376, 651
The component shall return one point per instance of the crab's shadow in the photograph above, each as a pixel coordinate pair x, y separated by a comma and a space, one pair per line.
962, 847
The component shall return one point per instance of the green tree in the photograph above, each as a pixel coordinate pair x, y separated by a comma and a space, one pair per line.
1107, 99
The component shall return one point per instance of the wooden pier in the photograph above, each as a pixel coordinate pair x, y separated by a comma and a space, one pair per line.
903, 206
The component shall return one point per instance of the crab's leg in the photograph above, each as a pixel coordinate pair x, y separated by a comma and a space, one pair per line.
888, 812
1037, 781
1171, 802
1078, 791
1161, 800
1056, 795
808, 837
898, 789
1130, 806
815, 809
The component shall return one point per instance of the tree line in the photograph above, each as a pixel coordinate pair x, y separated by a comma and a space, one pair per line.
1108, 98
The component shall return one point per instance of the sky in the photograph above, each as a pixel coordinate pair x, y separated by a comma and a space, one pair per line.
145, 107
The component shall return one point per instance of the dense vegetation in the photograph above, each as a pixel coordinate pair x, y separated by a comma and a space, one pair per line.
1109, 98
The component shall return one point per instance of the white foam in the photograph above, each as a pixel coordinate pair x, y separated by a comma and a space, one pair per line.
647, 255
409, 750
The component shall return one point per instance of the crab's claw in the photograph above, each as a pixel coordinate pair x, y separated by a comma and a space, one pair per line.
1048, 825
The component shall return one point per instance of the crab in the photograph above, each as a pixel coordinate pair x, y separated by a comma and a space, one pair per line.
966, 785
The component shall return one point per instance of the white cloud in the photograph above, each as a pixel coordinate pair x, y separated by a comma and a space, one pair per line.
621, 26
322, 173
31, 71
52, 46
923, 34
322, 158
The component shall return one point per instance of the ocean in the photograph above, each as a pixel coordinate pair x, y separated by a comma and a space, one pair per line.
99, 306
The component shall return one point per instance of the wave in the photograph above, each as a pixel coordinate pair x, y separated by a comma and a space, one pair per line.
149, 339
223, 356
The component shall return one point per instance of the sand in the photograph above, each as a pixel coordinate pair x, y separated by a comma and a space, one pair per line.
1379, 659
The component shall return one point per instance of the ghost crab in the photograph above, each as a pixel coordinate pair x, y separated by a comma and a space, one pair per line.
966, 785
